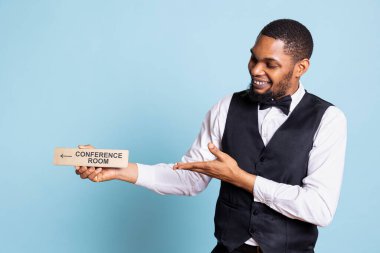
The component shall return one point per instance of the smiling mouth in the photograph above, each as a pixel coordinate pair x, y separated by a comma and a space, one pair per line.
257, 84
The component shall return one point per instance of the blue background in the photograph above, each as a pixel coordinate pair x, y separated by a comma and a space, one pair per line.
140, 75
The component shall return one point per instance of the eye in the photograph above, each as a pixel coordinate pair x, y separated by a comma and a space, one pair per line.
271, 66
253, 59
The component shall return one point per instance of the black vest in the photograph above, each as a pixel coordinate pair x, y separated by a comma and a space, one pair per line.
284, 160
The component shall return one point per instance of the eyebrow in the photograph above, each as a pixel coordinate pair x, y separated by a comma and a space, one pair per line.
266, 58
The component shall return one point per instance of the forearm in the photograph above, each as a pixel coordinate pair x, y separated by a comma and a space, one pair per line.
162, 179
309, 204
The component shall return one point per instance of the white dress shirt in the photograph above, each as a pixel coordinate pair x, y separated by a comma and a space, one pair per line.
314, 202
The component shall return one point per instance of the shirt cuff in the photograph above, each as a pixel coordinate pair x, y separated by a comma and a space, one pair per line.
263, 190
145, 176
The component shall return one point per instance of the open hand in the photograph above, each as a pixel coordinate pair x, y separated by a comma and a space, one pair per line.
224, 168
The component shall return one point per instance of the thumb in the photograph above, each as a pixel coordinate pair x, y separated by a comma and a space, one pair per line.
88, 146
105, 174
215, 151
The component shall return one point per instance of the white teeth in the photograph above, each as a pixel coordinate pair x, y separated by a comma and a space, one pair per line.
260, 82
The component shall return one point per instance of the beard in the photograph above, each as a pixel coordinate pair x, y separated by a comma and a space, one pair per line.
283, 87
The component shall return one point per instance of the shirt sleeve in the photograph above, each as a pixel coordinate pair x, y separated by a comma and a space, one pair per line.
161, 178
317, 199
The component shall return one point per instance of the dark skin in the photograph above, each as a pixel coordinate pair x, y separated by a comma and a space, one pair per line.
276, 71
272, 69
269, 63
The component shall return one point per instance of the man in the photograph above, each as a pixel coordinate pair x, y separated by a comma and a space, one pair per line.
283, 153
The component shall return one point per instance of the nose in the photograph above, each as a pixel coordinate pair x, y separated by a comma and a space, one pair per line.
256, 69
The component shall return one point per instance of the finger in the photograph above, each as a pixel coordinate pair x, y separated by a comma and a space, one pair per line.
88, 146
87, 172
81, 169
94, 176
215, 151
193, 165
202, 171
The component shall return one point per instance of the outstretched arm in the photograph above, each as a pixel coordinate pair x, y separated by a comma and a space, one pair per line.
161, 178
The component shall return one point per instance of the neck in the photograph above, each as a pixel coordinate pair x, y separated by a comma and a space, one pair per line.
293, 89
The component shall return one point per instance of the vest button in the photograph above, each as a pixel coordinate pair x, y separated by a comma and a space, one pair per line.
262, 159
251, 230
255, 212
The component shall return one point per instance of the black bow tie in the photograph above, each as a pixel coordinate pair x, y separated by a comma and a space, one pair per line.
283, 104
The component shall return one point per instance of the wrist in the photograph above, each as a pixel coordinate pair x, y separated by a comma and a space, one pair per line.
119, 173
128, 174
246, 180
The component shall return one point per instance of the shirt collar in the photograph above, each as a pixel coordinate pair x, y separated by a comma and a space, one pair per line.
296, 97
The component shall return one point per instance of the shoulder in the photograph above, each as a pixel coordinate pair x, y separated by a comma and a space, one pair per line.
332, 111
222, 105
334, 114
317, 101
333, 126
333, 119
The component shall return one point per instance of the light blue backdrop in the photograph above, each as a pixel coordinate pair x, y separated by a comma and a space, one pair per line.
140, 75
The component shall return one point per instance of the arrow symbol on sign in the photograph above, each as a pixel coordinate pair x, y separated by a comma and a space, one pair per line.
62, 155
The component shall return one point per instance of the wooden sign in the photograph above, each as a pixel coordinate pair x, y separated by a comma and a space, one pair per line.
91, 157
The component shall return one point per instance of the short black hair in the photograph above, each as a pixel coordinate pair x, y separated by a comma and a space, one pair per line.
296, 37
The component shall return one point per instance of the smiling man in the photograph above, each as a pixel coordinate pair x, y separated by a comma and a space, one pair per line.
277, 149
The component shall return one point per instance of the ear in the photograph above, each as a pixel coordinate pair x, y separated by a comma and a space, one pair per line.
301, 67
